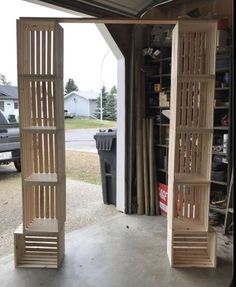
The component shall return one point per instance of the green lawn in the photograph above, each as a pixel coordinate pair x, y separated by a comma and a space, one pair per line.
83, 166
79, 123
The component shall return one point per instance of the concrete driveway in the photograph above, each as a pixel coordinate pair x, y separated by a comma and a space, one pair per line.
81, 140
84, 206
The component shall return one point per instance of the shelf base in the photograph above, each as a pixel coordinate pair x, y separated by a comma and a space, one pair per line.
191, 258
194, 249
40, 225
38, 251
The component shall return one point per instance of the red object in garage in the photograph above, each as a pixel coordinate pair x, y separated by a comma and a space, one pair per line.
222, 24
163, 197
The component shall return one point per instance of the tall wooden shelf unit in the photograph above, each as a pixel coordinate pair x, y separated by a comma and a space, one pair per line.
190, 240
157, 72
221, 154
39, 241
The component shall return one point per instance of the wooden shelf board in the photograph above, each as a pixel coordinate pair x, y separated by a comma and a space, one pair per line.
196, 77
221, 107
34, 129
160, 107
42, 226
191, 179
223, 49
217, 209
166, 59
42, 178
153, 76
219, 182
186, 224
223, 69
194, 130
165, 75
163, 125
222, 89
38, 77
162, 145
162, 170
221, 128
219, 153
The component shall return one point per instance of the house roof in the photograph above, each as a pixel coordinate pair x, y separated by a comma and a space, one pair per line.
86, 95
8, 92
108, 8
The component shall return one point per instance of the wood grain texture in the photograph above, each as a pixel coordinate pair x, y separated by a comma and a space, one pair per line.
40, 74
190, 150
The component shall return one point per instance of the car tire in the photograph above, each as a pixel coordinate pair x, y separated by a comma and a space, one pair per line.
17, 165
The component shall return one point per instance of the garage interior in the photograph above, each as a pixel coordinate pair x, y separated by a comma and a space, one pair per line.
131, 248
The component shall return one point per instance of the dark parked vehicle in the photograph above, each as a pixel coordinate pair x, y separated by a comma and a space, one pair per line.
9, 143
68, 115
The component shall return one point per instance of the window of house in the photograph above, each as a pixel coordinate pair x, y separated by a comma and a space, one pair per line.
2, 106
16, 105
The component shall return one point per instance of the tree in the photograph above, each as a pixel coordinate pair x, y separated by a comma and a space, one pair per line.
70, 86
98, 102
4, 81
111, 106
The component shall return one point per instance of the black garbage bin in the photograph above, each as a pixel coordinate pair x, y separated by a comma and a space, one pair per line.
106, 146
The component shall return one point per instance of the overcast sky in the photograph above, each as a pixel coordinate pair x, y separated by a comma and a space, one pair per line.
84, 47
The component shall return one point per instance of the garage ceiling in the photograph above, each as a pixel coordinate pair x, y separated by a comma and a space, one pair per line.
108, 8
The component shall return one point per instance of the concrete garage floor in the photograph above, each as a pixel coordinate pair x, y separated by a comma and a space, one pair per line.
84, 206
122, 251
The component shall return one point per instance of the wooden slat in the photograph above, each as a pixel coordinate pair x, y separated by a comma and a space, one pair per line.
146, 170
152, 179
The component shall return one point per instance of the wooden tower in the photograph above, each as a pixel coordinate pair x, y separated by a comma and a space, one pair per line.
39, 241
190, 240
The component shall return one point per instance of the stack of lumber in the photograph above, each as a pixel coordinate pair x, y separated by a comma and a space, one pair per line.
146, 171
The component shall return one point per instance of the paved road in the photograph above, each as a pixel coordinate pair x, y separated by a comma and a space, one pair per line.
81, 139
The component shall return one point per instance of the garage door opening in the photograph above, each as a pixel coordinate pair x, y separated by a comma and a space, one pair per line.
93, 68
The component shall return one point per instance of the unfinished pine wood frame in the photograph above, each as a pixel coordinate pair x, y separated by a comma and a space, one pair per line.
190, 242
39, 241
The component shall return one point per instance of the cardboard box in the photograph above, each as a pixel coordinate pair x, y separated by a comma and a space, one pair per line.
157, 87
163, 197
221, 38
163, 100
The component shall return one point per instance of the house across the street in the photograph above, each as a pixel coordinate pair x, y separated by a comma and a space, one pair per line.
78, 103
9, 102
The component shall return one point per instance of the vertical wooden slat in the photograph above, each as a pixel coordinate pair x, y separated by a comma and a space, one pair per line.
47, 202
151, 168
42, 201
145, 169
43, 52
36, 201
52, 201
180, 201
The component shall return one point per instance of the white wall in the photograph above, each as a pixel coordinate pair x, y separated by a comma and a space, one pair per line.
93, 107
77, 105
120, 153
8, 107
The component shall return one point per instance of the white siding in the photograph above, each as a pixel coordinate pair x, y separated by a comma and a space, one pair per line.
77, 105
8, 107
93, 107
